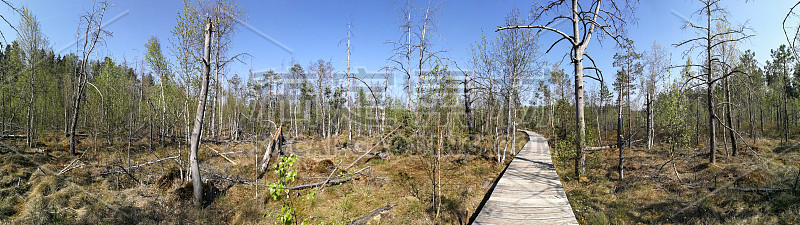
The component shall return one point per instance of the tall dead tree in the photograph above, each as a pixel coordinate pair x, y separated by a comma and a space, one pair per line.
404, 50
710, 40
91, 34
657, 63
608, 18
197, 183
350, 84
619, 85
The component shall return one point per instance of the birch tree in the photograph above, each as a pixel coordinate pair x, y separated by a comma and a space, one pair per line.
186, 45
323, 73
31, 40
657, 63
517, 53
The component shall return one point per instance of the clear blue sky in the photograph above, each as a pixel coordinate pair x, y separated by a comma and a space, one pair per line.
314, 29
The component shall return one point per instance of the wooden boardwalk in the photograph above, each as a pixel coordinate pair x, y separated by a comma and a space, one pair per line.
528, 191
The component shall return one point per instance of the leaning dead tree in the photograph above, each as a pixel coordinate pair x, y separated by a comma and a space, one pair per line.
9, 5
607, 18
197, 184
91, 35
711, 38
794, 28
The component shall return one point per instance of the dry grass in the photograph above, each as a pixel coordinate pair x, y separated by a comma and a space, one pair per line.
700, 193
31, 192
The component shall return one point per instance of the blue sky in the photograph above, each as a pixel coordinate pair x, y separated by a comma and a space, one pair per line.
314, 29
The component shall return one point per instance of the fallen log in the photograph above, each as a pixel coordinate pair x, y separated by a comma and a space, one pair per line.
13, 136
366, 217
68, 168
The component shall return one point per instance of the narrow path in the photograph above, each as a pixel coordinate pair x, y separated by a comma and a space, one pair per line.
529, 191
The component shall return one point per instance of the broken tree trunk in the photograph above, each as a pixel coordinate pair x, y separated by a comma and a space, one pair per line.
268, 152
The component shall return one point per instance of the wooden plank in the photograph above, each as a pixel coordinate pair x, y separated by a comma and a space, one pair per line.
529, 192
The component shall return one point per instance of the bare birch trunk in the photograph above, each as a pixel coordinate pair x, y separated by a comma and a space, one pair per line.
197, 184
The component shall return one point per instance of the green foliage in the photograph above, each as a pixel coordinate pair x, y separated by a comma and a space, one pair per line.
278, 192
400, 142
565, 150
670, 121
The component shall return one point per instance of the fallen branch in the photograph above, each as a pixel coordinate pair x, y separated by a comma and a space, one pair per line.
327, 182
67, 169
313, 185
763, 189
129, 174
373, 148
225, 153
215, 141
366, 217
214, 176
151, 162
70, 164
676, 172
599, 148
220, 154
